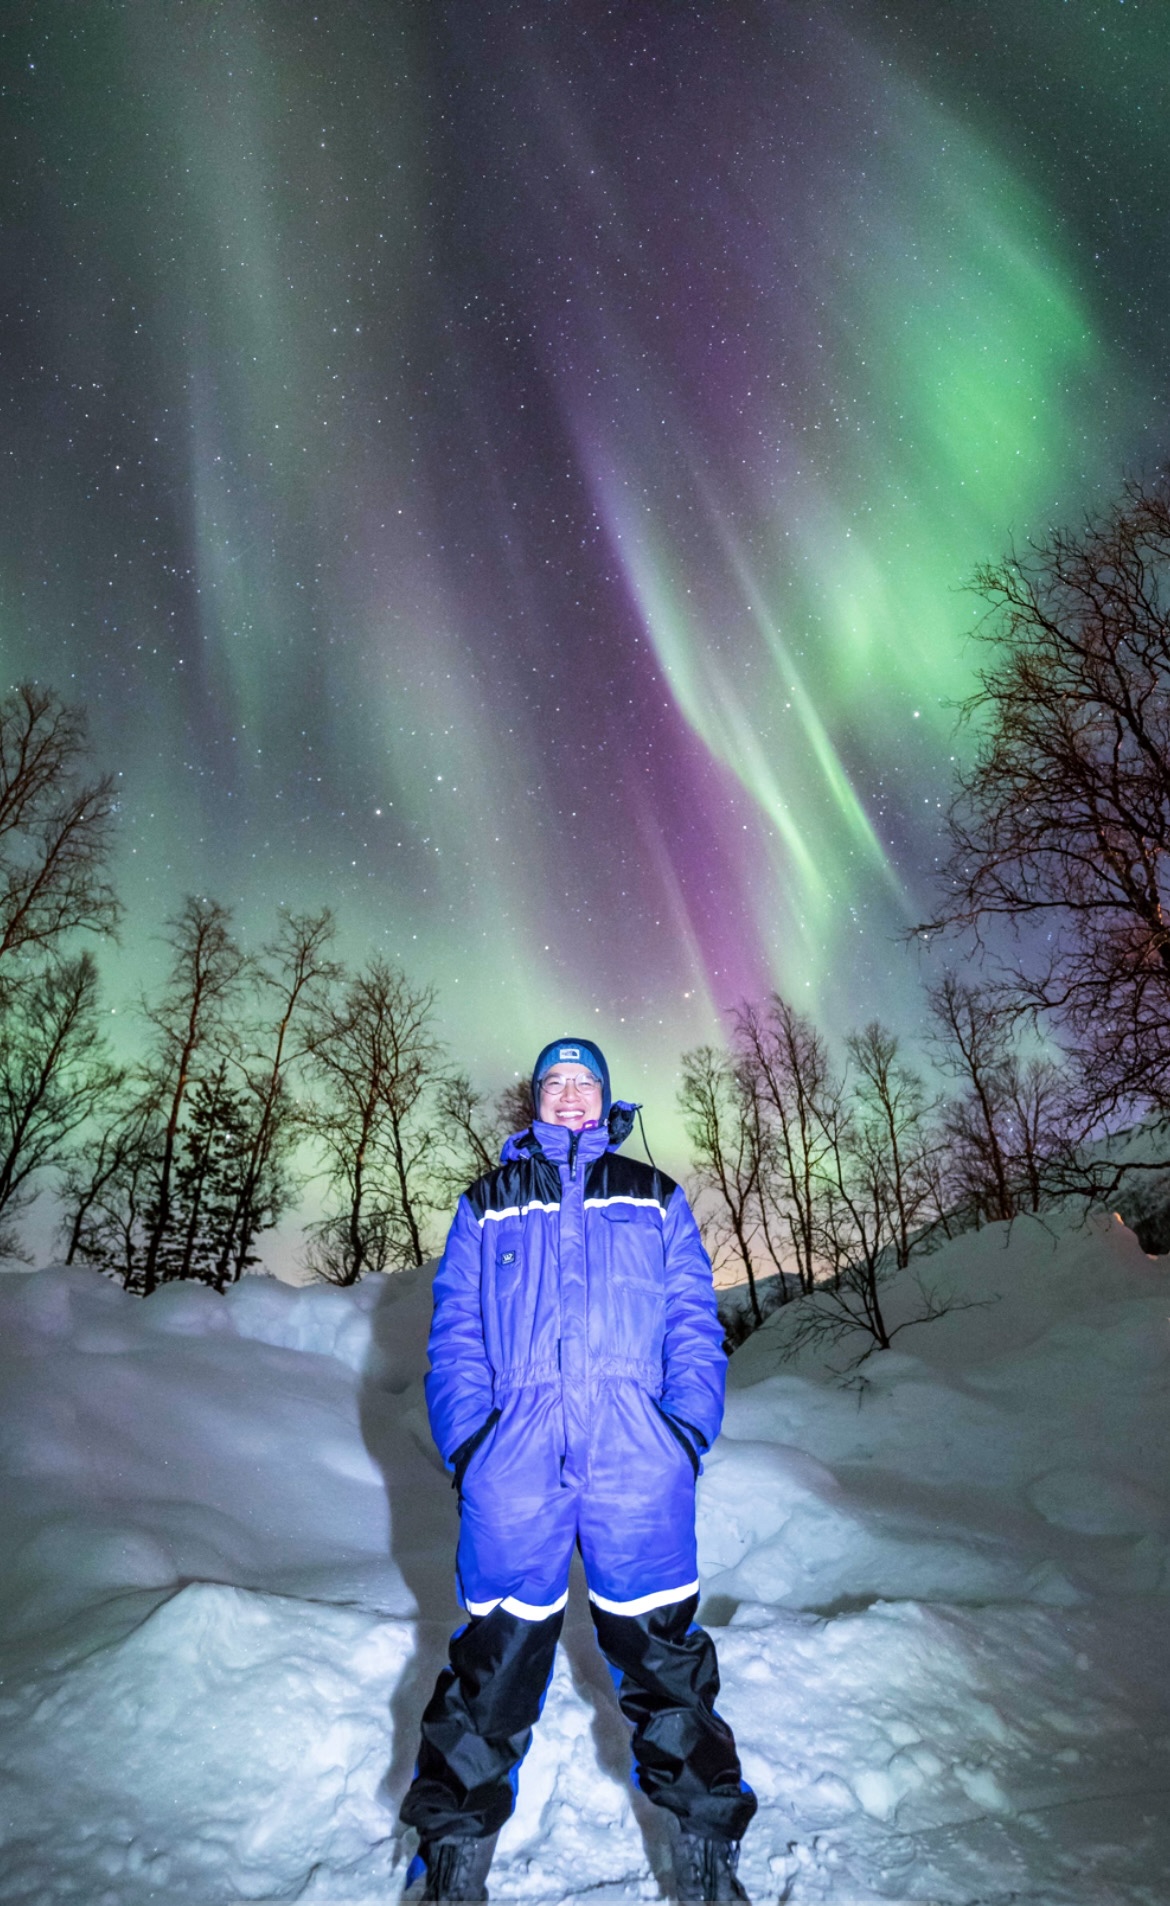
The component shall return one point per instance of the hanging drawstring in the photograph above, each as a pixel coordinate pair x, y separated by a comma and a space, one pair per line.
642, 1129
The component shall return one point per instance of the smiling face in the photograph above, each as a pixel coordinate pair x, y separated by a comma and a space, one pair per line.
570, 1095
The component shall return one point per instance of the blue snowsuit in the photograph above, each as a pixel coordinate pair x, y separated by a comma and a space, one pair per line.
577, 1375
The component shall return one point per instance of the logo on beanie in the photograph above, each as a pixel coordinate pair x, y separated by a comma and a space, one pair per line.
568, 1052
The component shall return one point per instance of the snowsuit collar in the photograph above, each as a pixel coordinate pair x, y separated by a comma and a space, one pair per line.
561, 1145
552, 1141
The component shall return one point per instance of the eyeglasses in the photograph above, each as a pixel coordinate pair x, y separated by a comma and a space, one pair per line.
556, 1086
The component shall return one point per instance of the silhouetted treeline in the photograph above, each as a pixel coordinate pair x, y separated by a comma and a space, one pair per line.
826, 1170
256, 1073
265, 1073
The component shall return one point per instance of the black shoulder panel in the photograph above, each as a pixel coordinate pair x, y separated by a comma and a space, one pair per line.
521, 1181
613, 1176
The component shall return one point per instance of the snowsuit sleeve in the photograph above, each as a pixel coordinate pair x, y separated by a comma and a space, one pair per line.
693, 1360
460, 1385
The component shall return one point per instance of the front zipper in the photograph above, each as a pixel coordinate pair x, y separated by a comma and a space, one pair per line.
574, 1141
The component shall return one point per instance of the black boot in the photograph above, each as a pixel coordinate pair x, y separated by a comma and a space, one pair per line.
704, 1869
455, 1869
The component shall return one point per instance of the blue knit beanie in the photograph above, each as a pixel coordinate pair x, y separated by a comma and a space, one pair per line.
581, 1052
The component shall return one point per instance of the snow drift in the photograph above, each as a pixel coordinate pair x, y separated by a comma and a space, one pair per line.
939, 1590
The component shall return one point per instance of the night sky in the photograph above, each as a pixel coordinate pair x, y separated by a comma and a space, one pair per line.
508, 470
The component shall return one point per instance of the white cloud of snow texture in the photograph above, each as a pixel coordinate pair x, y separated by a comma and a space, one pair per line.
939, 1597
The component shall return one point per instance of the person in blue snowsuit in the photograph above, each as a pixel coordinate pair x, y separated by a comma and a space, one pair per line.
577, 1376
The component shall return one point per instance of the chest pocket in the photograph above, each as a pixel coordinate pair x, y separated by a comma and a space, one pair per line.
506, 1252
633, 1240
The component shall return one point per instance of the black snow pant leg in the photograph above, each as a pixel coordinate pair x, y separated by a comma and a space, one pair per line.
667, 1680
478, 1725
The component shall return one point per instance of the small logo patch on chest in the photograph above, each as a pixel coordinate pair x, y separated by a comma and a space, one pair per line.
507, 1257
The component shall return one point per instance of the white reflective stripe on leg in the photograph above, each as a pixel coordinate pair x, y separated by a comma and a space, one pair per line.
512, 1605
642, 1604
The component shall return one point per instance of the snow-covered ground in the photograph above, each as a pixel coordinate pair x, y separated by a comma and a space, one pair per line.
940, 1595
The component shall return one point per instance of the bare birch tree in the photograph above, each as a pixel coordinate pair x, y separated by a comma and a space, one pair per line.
55, 828
377, 1063
55, 838
292, 978
723, 1124
473, 1126
190, 1020
107, 1185
1015, 1132
898, 1135
787, 1063
1062, 822
56, 1073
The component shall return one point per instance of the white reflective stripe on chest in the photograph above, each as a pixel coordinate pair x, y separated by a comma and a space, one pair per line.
599, 1204
516, 1211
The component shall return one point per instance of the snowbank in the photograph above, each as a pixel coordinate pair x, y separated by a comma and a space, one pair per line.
939, 1593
